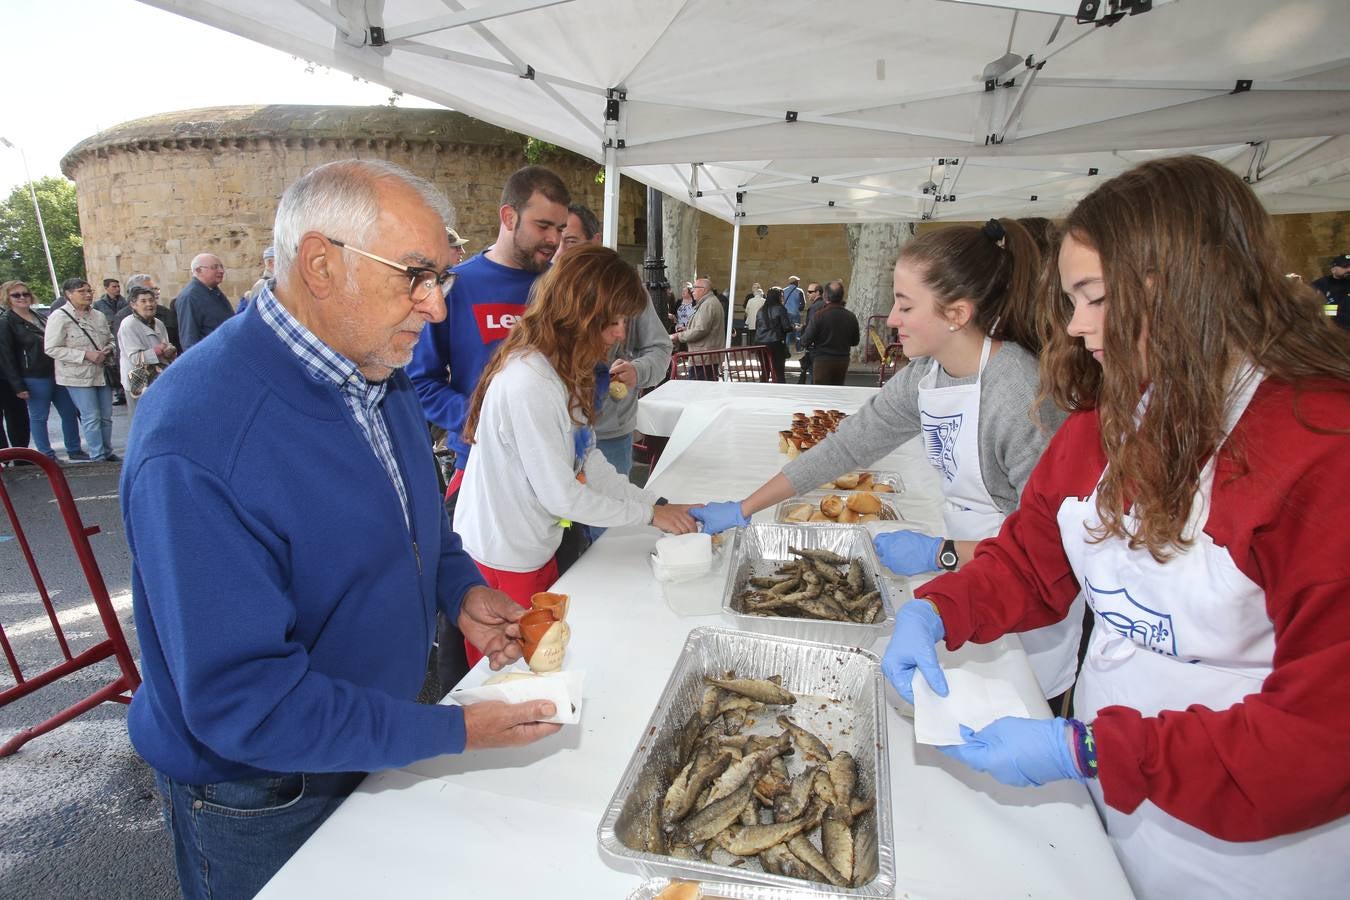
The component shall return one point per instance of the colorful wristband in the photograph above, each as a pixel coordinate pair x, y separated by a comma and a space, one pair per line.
1085, 748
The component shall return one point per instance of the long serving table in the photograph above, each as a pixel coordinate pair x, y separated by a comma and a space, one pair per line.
499, 823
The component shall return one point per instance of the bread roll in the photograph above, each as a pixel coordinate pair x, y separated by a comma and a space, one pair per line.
681, 890
865, 481
869, 517
818, 516
882, 487
800, 513
848, 516
618, 390
832, 505
864, 502
847, 482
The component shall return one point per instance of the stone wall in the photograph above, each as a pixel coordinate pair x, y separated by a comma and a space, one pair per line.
815, 252
155, 192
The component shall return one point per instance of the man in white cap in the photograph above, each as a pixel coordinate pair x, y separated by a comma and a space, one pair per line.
794, 302
457, 252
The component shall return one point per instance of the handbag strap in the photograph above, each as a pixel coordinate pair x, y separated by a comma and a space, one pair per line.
87, 335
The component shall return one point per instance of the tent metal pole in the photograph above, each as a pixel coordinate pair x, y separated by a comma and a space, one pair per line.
731, 288
611, 226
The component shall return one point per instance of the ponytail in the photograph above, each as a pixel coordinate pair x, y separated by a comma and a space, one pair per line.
994, 266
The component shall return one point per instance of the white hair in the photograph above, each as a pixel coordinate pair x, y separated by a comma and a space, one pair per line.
200, 260
340, 199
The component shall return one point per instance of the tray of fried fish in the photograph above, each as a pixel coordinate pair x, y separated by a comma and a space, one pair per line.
815, 582
764, 763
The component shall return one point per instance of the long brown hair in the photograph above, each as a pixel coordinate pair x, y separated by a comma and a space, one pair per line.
1192, 267
995, 267
570, 305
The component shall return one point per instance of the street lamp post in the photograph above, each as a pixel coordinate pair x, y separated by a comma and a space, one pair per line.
37, 210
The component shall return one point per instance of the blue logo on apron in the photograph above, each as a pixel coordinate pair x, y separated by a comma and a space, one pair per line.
939, 440
1146, 627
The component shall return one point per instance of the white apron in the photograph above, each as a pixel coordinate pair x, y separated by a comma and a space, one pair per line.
950, 417
1167, 636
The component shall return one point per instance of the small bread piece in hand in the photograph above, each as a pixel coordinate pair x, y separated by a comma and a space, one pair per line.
832, 505
864, 503
847, 482
617, 390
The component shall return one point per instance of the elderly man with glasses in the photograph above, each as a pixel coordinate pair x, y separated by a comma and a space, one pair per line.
290, 550
202, 307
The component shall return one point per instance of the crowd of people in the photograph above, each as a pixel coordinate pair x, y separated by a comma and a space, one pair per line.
1137, 421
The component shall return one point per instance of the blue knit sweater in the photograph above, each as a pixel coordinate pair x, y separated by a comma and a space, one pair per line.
284, 610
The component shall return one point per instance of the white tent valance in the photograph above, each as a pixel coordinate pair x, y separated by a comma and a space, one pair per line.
863, 110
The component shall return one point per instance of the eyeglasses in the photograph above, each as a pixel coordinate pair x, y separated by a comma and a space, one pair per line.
19, 295
421, 280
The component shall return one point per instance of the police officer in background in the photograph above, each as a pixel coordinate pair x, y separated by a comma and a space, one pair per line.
1336, 288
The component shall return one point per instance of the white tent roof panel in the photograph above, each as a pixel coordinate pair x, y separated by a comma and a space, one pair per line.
884, 87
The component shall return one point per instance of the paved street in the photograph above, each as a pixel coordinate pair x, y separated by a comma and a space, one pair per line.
78, 809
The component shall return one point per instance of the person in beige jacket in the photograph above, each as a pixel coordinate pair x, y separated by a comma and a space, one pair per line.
79, 338
706, 330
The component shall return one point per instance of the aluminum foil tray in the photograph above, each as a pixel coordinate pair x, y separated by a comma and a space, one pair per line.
840, 698
761, 548
721, 890
892, 478
888, 513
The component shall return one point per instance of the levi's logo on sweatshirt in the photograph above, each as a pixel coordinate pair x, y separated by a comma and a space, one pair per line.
496, 319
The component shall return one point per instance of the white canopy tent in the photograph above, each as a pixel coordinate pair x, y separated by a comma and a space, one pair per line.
864, 110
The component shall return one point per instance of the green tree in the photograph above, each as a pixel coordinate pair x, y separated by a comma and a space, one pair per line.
21, 255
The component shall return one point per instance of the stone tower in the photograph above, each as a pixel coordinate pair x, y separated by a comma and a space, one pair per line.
155, 192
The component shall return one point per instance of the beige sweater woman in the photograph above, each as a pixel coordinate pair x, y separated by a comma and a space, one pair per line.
72, 337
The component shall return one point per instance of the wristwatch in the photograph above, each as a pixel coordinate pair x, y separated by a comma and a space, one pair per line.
947, 555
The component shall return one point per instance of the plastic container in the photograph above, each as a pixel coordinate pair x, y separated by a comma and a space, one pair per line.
694, 589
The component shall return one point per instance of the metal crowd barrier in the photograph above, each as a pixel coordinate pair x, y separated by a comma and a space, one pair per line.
119, 689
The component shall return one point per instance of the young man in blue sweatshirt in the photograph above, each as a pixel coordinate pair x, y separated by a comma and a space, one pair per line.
285, 600
490, 292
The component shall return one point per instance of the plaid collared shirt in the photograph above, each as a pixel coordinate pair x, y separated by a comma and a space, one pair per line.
362, 397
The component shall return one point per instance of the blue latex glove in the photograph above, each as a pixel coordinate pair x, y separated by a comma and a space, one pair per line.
1017, 751
718, 517
918, 628
908, 552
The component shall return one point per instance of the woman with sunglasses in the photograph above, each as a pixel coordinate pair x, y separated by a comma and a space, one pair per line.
532, 417
31, 374
80, 339
1197, 494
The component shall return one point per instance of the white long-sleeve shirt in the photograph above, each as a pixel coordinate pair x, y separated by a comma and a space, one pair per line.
521, 477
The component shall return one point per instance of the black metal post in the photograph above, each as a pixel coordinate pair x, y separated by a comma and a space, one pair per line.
654, 266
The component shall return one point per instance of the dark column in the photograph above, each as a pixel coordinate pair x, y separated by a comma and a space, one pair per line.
654, 266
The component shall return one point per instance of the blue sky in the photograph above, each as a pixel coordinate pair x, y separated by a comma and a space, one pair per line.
75, 67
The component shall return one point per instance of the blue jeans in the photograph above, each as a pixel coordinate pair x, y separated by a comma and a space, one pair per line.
231, 837
95, 405
619, 452
42, 393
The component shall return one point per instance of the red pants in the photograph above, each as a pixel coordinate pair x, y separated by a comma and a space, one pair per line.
519, 586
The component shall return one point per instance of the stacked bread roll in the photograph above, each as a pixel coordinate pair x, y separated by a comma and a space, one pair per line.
809, 430
863, 506
857, 481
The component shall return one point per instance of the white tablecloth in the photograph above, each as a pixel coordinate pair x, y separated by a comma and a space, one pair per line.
659, 411
504, 823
